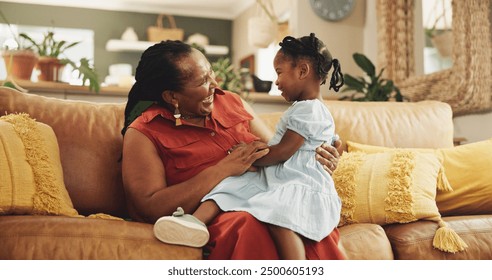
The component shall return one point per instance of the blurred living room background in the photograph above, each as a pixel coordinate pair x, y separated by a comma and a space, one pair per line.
114, 33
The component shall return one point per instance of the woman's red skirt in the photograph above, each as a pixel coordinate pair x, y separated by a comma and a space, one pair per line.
239, 236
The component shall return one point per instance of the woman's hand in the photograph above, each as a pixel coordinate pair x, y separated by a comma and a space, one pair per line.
242, 156
328, 155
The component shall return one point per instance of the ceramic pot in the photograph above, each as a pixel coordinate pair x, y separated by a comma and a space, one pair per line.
129, 35
50, 68
20, 63
261, 85
198, 39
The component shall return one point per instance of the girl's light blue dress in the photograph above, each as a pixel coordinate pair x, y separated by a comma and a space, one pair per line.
297, 194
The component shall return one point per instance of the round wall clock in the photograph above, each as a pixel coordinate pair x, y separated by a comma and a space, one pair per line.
332, 10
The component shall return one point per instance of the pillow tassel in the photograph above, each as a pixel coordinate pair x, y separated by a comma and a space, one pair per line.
442, 181
447, 240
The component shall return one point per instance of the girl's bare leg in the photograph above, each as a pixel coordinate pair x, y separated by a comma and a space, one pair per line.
289, 244
207, 211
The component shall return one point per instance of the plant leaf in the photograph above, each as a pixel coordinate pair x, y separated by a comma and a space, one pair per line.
398, 95
352, 83
88, 74
365, 64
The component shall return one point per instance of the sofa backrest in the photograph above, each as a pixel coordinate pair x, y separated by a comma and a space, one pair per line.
425, 124
90, 141
90, 145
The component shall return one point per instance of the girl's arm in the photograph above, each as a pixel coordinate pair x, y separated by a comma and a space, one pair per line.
288, 145
327, 154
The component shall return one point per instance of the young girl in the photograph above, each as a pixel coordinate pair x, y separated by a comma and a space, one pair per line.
291, 191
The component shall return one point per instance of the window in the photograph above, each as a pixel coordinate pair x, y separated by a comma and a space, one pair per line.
437, 20
264, 66
84, 49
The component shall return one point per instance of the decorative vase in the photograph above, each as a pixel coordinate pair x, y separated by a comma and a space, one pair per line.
50, 68
129, 35
261, 31
20, 63
198, 39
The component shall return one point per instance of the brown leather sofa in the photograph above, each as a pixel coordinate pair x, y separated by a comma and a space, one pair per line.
90, 145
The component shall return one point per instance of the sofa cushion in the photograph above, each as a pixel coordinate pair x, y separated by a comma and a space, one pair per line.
67, 238
413, 241
90, 145
393, 187
467, 168
364, 242
30, 168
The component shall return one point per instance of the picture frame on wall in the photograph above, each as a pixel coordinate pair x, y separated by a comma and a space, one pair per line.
249, 63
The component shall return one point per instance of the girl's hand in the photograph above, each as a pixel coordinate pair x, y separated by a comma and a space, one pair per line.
242, 156
329, 155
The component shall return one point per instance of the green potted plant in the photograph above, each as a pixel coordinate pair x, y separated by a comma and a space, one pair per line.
51, 61
372, 87
19, 60
226, 76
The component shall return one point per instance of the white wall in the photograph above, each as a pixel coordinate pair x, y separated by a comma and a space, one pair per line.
343, 38
474, 127
357, 33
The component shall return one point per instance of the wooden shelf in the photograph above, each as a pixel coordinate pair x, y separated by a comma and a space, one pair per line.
59, 87
115, 45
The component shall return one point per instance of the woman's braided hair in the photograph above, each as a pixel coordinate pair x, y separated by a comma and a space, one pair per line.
158, 70
316, 51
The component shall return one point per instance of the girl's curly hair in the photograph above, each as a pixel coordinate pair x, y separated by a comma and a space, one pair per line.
316, 51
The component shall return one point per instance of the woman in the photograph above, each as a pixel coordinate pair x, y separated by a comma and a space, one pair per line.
193, 136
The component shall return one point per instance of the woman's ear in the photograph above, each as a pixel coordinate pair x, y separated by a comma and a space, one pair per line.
168, 97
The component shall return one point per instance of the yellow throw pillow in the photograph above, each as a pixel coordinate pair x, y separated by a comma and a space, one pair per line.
467, 168
394, 187
30, 169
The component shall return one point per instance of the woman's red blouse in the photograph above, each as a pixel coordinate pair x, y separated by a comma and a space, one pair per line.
188, 149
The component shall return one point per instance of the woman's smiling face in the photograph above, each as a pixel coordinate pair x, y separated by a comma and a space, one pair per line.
197, 96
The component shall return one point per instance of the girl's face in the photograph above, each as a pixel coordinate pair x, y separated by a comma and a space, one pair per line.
197, 96
287, 77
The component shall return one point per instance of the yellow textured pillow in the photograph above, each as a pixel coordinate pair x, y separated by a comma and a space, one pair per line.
30, 169
467, 168
393, 187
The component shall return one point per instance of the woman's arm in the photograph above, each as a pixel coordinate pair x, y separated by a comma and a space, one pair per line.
144, 177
